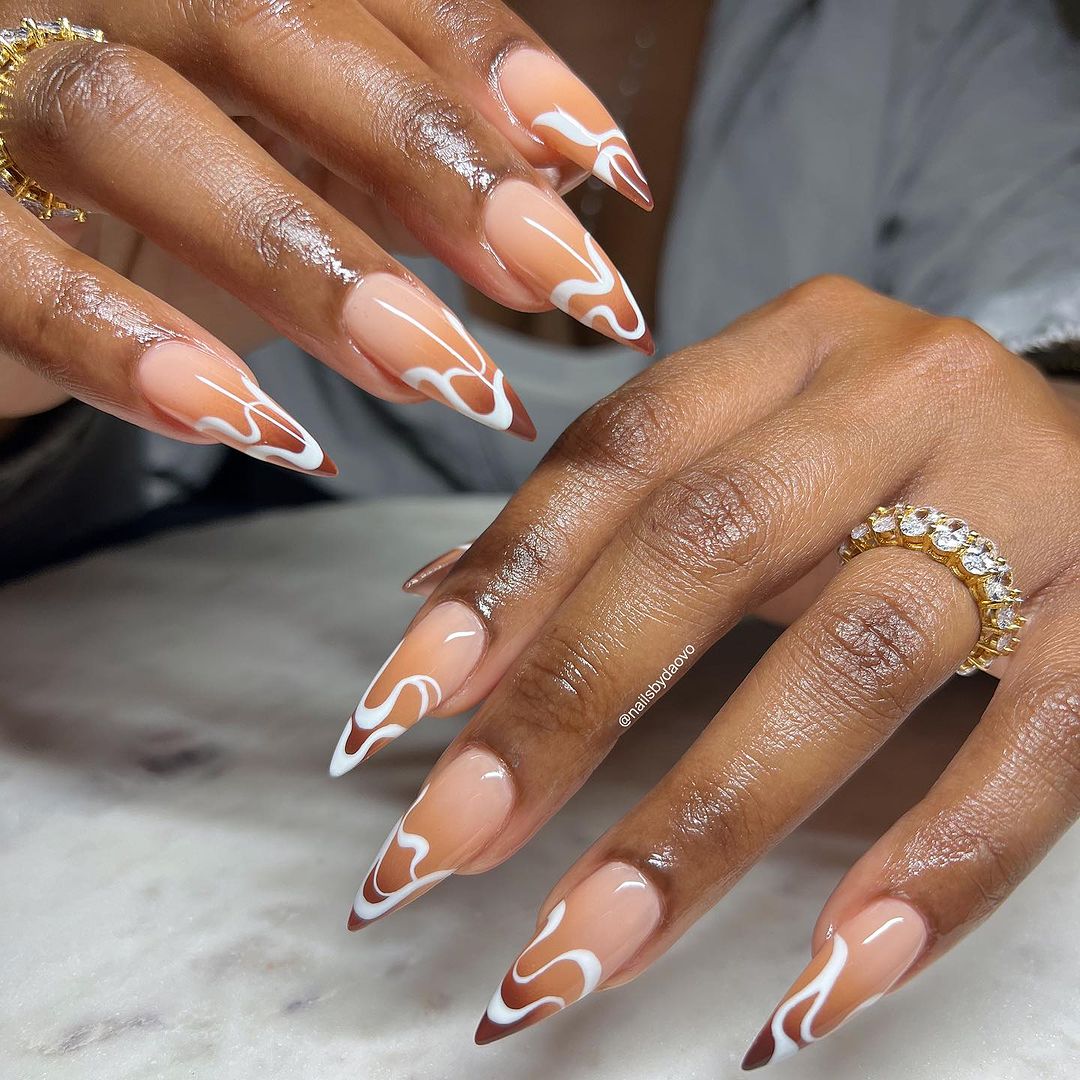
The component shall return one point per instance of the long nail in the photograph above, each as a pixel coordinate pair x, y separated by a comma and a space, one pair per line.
424, 581
213, 397
458, 812
864, 957
403, 328
430, 665
586, 938
538, 239
563, 113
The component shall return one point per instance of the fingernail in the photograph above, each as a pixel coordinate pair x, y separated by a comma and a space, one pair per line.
864, 957
430, 665
424, 581
458, 812
407, 331
538, 239
213, 397
586, 938
563, 113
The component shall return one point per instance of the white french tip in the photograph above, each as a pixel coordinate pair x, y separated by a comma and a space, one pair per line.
343, 762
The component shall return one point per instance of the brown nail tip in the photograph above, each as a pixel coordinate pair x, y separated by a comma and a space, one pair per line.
646, 344
761, 1050
355, 922
437, 569
521, 425
488, 1032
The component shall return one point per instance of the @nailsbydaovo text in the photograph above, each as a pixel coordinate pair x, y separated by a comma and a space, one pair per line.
655, 689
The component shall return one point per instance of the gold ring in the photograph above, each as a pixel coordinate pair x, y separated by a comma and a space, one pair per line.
14, 47
971, 557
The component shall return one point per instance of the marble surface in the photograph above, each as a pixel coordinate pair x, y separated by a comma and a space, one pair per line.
176, 866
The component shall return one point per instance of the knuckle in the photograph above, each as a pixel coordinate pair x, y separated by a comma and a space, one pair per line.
951, 349
826, 290
75, 86
276, 223
226, 17
619, 434
711, 522
558, 689
433, 129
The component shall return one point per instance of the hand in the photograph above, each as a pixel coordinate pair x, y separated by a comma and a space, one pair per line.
717, 479
431, 125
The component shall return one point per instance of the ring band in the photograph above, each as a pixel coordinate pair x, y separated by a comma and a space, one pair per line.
14, 47
971, 557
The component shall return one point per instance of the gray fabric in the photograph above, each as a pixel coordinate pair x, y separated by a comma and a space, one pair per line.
930, 148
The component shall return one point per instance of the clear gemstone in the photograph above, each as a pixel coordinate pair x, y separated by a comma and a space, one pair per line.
980, 558
997, 587
859, 532
884, 522
1002, 642
917, 522
949, 535
1006, 616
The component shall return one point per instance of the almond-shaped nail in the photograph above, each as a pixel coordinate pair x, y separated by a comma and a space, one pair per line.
539, 239
456, 815
587, 937
424, 581
406, 330
865, 956
430, 665
209, 395
563, 113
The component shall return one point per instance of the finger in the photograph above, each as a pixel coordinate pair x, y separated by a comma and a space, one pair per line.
380, 118
827, 694
548, 536
86, 119
105, 341
951, 861
520, 85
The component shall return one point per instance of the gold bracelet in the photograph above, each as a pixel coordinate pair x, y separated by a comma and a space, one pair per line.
971, 557
15, 45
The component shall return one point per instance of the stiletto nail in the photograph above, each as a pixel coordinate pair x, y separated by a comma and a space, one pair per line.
430, 665
406, 330
458, 812
538, 238
563, 113
423, 582
214, 397
585, 939
857, 965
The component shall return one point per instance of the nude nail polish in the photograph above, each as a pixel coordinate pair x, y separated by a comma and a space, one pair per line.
863, 958
541, 242
564, 114
406, 330
424, 581
457, 814
587, 937
222, 400
430, 665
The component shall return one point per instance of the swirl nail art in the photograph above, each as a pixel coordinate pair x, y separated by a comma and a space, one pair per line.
455, 816
864, 957
586, 938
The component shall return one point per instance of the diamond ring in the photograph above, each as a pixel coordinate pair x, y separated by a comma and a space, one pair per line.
971, 557
14, 47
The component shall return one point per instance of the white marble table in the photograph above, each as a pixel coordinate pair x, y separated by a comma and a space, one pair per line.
176, 866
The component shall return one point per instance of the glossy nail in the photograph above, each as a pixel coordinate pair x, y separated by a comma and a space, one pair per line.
407, 331
424, 581
538, 239
221, 399
857, 965
456, 815
430, 665
563, 113
586, 938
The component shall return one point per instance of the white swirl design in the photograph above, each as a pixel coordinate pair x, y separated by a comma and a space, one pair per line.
499, 1012
501, 415
263, 407
818, 988
369, 910
602, 284
612, 150
366, 719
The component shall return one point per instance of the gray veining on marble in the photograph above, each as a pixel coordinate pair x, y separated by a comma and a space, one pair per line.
176, 866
